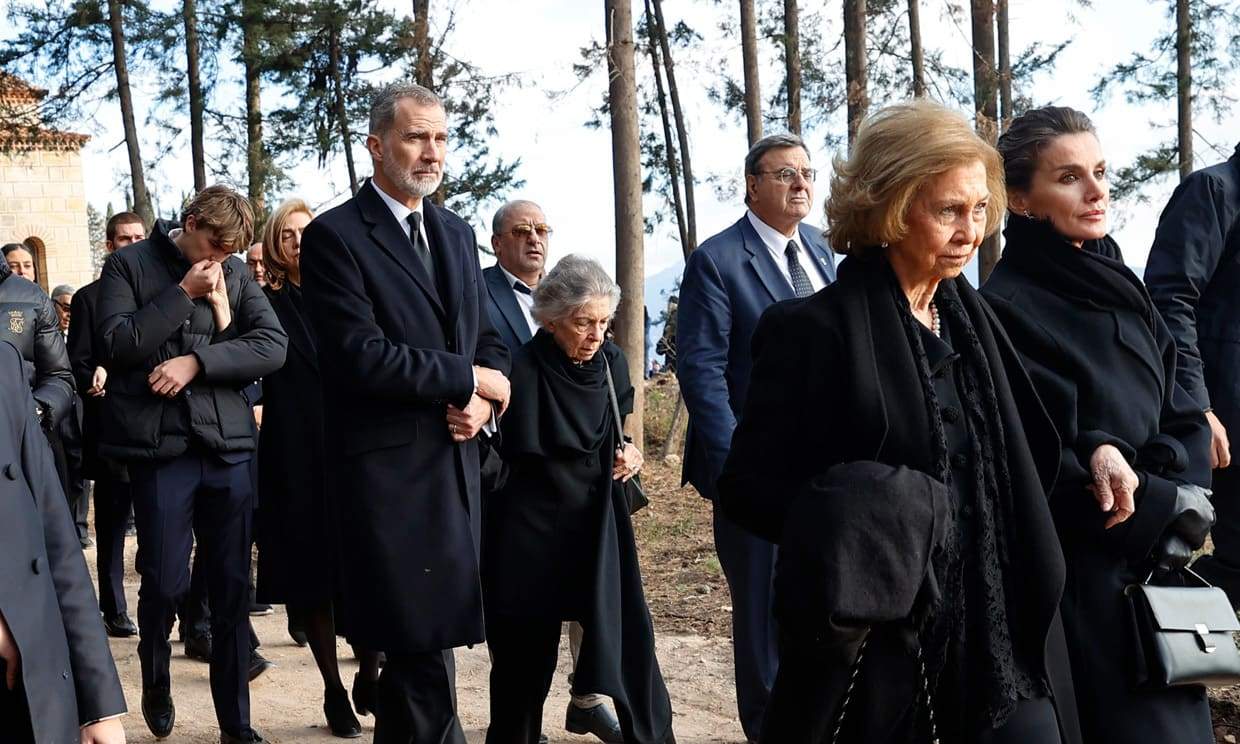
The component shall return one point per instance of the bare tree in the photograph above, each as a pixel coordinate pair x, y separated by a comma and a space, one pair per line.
251, 62
626, 172
749, 57
339, 107
792, 61
193, 77
1006, 113
985, 104
855, 64
919, 56
423, 64
682, 132
141, 197
1184, 86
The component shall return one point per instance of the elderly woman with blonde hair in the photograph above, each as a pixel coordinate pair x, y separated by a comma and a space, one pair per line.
894, 449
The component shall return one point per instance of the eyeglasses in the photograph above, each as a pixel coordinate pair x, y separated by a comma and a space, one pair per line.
788, 175
62, 305
524, 231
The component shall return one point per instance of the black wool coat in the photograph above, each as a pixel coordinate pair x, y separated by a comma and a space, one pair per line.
29, 322
1106, 375
296, 535
394, 349
83, 359
46, 595
835, 381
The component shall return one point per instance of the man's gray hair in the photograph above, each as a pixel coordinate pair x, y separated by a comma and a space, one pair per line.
62, 290
771, 142
501, 216
575, 281
383, 105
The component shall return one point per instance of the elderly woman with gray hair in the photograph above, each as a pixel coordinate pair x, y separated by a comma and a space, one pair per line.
558, 543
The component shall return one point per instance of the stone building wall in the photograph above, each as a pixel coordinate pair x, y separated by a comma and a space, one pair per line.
43, 202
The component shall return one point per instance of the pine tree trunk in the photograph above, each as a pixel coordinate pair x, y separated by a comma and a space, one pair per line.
1184, 85
142, 199
792, 60
196, 103
986, 107
919, 56
255, 153
682, 132
669, 145
749, 57
338, 104
423, 72
855, 65
626, 168
1006, 113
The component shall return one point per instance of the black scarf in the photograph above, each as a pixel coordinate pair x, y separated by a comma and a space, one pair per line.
972, 574
1093, 274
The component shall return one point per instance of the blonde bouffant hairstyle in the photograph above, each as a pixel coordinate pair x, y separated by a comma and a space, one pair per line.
276, 261
897, 150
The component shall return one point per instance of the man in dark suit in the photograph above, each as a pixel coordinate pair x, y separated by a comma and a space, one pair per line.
412, 370
1193, 276
60, 683
765, 257
111, 491
520, 238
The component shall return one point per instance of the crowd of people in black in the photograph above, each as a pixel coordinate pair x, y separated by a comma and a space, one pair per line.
928, 499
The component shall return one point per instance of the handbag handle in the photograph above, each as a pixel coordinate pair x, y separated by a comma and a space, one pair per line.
1186, 570
852, 683
615, 402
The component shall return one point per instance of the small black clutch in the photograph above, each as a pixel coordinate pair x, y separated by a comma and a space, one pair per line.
1183, 635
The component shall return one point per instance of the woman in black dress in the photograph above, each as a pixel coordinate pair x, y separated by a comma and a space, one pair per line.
558, 542
296, 555
895, 451
1133, 442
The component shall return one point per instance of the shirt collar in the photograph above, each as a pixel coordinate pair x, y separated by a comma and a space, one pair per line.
508, 275
397, 207
774, 240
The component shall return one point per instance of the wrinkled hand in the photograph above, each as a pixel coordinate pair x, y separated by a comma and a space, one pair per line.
492, 385
105, 732
200, 280
97, 381
629, 461
1115, 484
171, 377
464, 425
1220, 447
1194, 515
9, 654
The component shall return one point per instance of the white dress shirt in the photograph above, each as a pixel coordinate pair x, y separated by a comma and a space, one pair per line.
525, 300
401, 213
776, 243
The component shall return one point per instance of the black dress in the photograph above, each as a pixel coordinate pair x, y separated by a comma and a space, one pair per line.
296, 544
1103, 364
558, 545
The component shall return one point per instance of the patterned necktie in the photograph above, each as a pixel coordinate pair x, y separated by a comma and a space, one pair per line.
420, 248
800, 280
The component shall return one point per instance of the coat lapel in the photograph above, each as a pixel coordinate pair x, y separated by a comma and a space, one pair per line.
295, 326
501, 293
763, 265
391, 238
822, 257
449, 263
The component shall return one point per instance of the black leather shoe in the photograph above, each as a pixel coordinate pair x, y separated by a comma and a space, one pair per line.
120, 626
258, 665
340, 718
363, 695
249, 737
597, 720
158, 711
198, 647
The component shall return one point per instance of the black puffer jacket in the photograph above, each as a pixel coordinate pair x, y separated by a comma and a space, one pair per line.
28, 321
145, 319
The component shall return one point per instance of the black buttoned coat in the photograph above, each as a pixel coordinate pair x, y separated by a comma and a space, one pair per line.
395, 348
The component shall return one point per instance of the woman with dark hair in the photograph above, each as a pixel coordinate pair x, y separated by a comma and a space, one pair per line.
20, 258
1135, 448
895, 451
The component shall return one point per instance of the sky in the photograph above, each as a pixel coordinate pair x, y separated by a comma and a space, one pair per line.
567, 166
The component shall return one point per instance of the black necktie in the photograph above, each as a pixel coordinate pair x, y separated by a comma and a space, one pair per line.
520, 287
800, 280
420, 248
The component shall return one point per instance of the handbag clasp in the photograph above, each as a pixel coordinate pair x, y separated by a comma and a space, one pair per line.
1203, 638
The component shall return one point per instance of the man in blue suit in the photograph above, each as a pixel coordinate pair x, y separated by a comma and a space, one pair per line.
768, 255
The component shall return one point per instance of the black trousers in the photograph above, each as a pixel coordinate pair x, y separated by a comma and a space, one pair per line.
416, 700
194, 610
112, 504
748, 563
1223, 567
196, 493
523, 658
15, 726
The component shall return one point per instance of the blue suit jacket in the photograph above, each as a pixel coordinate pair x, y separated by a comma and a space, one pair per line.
502, 308
728, 282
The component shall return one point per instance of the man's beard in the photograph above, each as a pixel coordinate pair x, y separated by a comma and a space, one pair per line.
409, 183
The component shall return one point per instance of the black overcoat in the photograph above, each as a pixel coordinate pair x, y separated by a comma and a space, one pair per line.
46, 594
296, 535
835, 381
394, 350
1106, 376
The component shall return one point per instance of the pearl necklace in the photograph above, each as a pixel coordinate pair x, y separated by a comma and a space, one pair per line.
935, 327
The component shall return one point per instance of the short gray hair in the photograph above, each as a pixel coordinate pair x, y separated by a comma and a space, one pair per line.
501, 216
765, 145
383, 105
62, 290
575, 281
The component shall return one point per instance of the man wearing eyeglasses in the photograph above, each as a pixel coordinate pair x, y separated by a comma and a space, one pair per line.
520, 237
766, 256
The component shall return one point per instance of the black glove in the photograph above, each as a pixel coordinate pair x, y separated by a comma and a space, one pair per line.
1193, 515
1171, 555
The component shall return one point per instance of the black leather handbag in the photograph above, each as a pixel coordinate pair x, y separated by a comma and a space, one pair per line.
1183, 635
634, 494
